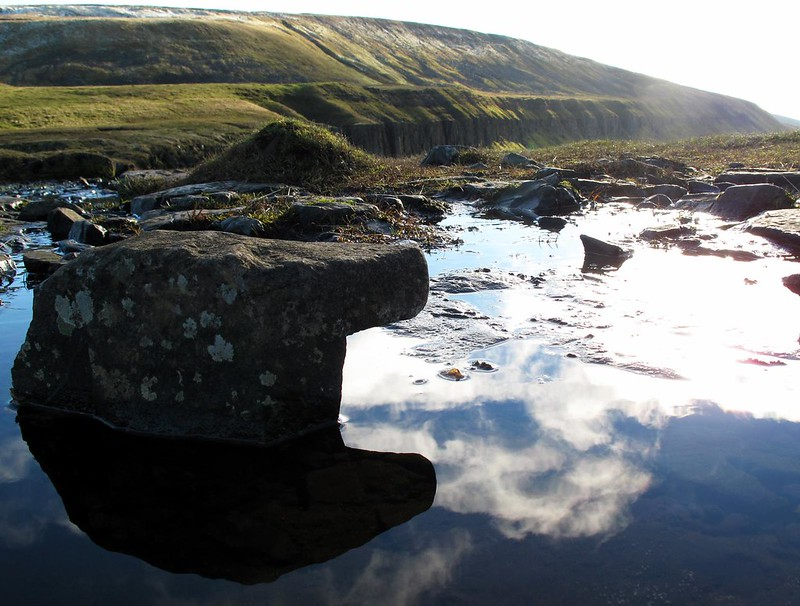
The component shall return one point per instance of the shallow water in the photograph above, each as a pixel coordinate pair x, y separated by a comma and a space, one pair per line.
557, 480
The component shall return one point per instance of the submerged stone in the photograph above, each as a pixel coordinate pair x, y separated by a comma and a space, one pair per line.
211, 334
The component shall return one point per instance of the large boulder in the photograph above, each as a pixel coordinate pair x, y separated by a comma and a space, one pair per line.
741, 202
211, 334
780, 226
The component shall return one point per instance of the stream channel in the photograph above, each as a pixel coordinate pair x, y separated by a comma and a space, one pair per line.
631, 436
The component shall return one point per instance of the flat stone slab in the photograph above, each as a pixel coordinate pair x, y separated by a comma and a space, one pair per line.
789, 179
780, 226
209, 334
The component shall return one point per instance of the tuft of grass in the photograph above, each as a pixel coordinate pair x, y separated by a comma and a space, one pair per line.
291, 152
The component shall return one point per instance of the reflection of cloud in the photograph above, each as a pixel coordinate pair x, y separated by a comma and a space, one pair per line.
559, 458
403, 578
15, 460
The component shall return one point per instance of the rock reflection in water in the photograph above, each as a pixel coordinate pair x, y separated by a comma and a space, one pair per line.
242, 513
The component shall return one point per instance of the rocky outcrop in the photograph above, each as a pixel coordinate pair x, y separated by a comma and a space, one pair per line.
780, 226
741, 202
210, 335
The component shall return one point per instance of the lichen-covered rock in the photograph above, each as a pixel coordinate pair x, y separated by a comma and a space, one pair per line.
210, 334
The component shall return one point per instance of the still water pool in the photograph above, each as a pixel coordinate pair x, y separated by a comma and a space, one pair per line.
637, 443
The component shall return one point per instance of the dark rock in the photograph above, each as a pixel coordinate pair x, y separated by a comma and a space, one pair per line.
531, 199
696, 202
780, 226
143, 204
792, 283
623, 190
599, 248
192, 202
210, 334
86, 232
515, 160
779, 178
673, 192
659, 201
551, 223
671, 231
41, 261
744, 201
67, 247
600, 256
701, 187
39, 210
442, 155
60, 222
244, 226
326, 213
432, 210
184, 220
242, 513
563, 173
698, 250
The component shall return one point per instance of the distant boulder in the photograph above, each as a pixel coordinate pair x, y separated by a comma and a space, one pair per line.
442, 155
515, 160
529, 200
741, 202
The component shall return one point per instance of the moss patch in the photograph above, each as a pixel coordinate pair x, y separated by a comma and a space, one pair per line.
291, 152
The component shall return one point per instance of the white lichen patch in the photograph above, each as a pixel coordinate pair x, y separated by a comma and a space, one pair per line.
107, 314
177, 310
39, 375
145, 342
123, 270
73, 314
228, 292
267, 378
198, 378
221, 350
165, 344
146, 388
208, 319
179, 396
127, 305
190, 328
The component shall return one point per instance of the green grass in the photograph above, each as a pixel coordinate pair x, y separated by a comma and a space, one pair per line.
292, 152
712, 154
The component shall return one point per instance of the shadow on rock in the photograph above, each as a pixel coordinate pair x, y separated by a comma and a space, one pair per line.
244, 513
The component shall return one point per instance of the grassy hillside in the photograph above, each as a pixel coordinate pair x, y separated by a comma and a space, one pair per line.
157, 91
